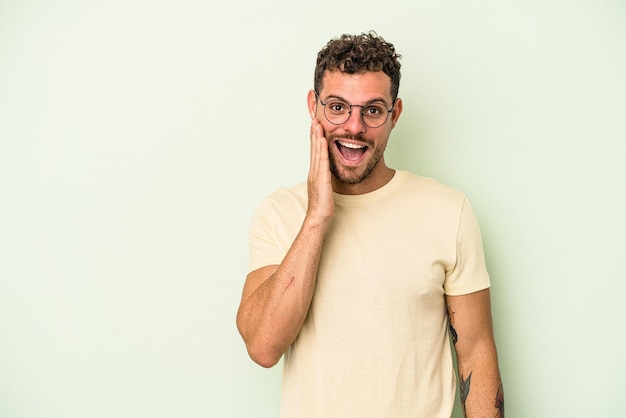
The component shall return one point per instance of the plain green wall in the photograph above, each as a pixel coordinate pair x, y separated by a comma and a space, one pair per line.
137, 137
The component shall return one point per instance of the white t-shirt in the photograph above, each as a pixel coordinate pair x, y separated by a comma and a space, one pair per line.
375, 342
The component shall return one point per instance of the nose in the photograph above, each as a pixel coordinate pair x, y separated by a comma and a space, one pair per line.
355, 124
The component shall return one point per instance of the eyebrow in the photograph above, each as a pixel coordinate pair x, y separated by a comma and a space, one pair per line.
334, 96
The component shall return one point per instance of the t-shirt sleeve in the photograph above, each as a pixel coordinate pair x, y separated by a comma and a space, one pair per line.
264, 250
469, 273
273, 228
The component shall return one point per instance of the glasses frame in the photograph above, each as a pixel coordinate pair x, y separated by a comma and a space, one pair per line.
350, 112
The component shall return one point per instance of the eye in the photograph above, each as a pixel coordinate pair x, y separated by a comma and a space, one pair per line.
337, 107
374, 111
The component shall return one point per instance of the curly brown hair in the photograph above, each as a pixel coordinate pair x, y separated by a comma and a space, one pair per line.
357, 54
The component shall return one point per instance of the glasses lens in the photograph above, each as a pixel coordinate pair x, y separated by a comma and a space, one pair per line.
374, 115
337, 112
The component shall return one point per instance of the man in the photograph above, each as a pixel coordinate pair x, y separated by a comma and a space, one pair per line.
359, 276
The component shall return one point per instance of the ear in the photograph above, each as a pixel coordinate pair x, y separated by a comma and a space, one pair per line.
395, 114
311, 101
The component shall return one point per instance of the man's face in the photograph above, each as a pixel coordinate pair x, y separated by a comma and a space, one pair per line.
356, 151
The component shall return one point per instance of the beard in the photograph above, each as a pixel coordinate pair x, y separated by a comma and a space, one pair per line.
353, 175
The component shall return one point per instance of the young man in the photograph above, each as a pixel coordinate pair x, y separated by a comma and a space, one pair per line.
360, 276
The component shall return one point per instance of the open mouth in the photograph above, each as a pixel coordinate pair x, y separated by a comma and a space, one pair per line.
351, 152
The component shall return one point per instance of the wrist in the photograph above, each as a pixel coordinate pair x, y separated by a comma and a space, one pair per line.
316, 222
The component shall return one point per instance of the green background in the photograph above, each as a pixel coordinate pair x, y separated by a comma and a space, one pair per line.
137, 137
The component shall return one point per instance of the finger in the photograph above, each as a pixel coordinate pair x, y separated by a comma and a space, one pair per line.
323, 148
318, 144
314, 163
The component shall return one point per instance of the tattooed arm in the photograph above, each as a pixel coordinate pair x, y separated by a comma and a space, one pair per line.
472, 334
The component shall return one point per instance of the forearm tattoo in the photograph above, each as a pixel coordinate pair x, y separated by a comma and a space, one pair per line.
453, 333
500, 402
465, 388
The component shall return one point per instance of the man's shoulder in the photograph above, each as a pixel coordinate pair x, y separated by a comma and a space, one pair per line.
286, 198
429, 187
296, 192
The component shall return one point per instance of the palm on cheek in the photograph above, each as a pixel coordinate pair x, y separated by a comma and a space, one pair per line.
320, 190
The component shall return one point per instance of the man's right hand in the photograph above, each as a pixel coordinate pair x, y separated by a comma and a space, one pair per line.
321, 205
276, 298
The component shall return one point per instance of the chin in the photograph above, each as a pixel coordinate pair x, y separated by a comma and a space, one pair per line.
347, 176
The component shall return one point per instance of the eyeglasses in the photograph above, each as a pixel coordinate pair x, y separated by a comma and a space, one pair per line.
337, 112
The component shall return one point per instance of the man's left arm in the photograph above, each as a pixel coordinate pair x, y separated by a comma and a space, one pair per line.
472, 334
